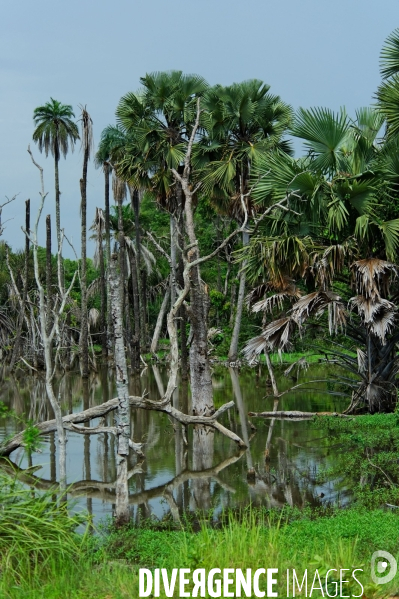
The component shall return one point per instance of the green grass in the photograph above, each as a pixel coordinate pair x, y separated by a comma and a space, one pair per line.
107, 567
369, 451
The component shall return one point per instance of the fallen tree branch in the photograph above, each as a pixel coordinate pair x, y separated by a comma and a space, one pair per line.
136, 402
295, 414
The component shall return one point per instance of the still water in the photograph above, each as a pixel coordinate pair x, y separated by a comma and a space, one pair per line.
179, 472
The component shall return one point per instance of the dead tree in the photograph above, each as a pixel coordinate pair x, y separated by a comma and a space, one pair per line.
48, 333
123, 414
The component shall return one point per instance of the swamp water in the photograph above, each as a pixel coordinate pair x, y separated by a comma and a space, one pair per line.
280, 467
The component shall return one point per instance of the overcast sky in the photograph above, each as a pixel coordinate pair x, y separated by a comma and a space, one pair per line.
311, 53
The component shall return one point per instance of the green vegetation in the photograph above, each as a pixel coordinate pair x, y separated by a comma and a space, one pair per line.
106, 565
371, 467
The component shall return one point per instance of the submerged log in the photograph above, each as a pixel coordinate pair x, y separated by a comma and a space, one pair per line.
296, 414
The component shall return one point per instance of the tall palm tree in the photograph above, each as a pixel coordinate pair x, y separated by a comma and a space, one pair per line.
244, 121
55, 132
87, 147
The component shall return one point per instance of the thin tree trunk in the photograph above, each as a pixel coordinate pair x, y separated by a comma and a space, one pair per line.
173, 257
144, 311
18, 340
141, 282
57, 201
233, 351
158, 326
84, 345
107, 172
180, 280
232, 303
135, 342
243, 418
103, 300
122, 515
48, 272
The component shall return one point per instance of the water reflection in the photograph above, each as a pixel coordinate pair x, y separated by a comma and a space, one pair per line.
185, 469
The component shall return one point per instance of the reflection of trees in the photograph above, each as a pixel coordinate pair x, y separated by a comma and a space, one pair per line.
285, 477
106, 490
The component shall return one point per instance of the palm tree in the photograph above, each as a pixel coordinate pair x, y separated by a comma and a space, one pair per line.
87, 147
388, 91
158, 121
55, 132
244, 121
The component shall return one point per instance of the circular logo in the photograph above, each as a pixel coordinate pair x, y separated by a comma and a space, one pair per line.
383, 566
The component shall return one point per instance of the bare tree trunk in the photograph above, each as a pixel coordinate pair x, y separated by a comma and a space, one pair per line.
87, 144
18, 340
122, 515
48, 271
158, 326
47, 340
271, 374
243, 417
144, 311
203, 445
136, 315
173, 257
103, 299
57, 201
107, 172
233, 351
141, 283
180, 280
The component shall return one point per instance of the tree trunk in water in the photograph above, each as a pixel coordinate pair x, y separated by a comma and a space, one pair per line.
122, 515
48, 272
243, 417
18, 340
203, 444
233, 351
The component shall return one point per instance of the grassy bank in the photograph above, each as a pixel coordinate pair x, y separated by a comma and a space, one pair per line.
106, 566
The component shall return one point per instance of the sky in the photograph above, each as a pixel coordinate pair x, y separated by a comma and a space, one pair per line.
84, 52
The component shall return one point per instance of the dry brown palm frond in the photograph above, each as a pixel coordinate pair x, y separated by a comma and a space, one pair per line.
93, 317
361, 360
275, 337
118, 188
378, 314
284, 288
372, 277
314, 304
301, 364
99, 227
146, 255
